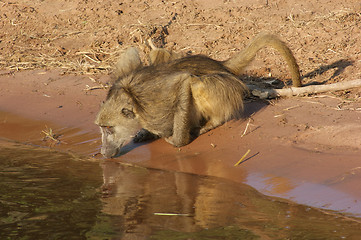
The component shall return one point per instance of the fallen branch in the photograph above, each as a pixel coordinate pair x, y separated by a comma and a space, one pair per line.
295, 91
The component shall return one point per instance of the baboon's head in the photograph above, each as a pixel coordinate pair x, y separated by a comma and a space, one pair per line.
118, 123
117, 118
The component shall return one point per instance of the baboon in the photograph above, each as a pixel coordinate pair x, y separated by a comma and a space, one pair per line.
177, 98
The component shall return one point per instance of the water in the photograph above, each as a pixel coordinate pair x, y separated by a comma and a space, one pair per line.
51, 195
47, 195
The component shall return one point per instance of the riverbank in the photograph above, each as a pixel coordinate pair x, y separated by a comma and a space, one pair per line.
305, 149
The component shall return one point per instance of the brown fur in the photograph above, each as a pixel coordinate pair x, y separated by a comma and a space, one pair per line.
176, 97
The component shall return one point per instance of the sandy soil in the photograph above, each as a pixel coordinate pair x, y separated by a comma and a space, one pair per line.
306, 149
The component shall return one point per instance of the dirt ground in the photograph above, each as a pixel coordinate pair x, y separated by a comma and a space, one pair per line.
307, 148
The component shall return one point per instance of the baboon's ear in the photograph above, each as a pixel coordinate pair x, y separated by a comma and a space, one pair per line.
128, 62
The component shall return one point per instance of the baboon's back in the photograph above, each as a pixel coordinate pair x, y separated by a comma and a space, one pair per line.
196, 65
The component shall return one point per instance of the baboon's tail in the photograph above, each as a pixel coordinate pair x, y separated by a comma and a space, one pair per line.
237, 63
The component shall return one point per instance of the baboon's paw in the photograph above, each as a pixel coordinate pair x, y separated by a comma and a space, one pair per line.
144, 135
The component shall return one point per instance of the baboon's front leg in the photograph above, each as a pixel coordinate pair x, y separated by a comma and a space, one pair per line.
181, 125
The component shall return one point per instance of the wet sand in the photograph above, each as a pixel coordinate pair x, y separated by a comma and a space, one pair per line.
303, 149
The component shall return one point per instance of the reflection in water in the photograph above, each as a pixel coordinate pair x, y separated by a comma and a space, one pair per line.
50, 195
323, 196
209, 207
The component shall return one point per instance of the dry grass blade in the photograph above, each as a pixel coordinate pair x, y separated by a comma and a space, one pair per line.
88, 88
248, 126
151, 44
173, 214
49, 134
289, 108
100, 85
245, 130
244, 156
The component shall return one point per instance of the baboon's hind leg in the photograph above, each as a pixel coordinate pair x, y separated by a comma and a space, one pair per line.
218, 98
203, 99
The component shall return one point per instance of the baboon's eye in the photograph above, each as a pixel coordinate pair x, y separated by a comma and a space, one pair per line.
128, 113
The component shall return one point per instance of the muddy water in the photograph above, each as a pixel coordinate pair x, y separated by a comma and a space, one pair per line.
51, 195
